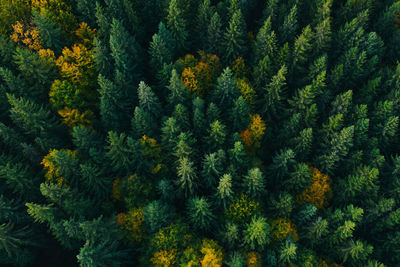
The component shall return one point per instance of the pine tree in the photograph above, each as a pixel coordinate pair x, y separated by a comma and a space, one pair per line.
35, 120
288, 252
126, 54
212, 168
217, 135
159, 52
113, 105
254, 183
224, 190
240, 114
148, 101
181, 115
156, 215
235, 37
266, 43
203, 18
177, 25
214, 35
187, 177
199, 120
226, 90
256, 234
200, 213
288, 29
338, 147
275, 93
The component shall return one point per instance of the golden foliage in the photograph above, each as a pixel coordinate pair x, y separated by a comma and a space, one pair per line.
247, 138
319, 192
164, 258
166, 238
132, 224
47, 54
252, 136
189, 79
77, 66
151, 148
27, 36
189, 61
58, 11
323, 263
281, 228
200, 76
85, 35
212, 254
239, 68
257, 127
73, 117
11, 12
242, 208
253, 259
190, 258
248, 93
52, 172
116, 192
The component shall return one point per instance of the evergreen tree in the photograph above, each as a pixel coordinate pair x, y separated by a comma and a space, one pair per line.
177, 25
200, 213
235, 37
256, 234
126, 54
253, 183
214, 35
224, 190
186, 176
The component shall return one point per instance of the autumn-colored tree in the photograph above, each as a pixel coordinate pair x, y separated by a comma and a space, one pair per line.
74, 117
164, 258
248, 93
253, 259
319, 192
239, 68
77, 66
212, 254
52, 168
253, 135
132, 224
26, 35
200, 75
281, 228
243, 208
189, 79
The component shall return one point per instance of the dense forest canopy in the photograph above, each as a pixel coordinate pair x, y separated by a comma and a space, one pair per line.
199, 133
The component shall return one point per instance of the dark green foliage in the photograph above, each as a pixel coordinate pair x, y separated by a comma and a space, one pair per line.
200, 133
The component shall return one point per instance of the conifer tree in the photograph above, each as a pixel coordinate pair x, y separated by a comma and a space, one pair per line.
253, 183
186, 176
177, 24
214, 35
224, 190
266, 43
235, 37
256, 234
126, 53
200, 213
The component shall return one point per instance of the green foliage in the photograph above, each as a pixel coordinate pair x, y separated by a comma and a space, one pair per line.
257, 233
284, 152
235, 37
200, 213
